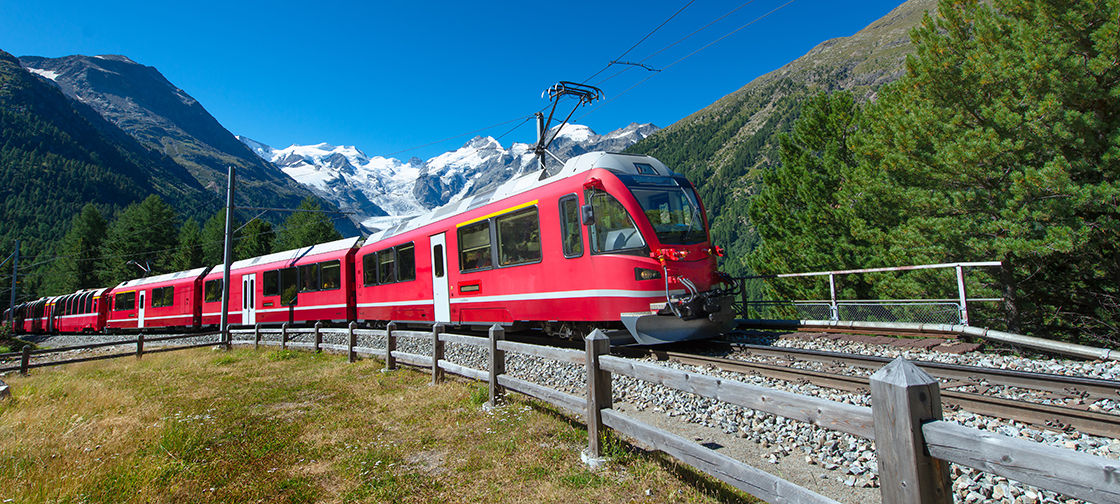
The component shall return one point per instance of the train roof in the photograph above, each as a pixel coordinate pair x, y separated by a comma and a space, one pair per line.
167, 277
291, 255
614, 161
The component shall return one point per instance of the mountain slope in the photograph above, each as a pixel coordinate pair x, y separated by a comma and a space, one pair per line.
140, 101
56, 155
725, 147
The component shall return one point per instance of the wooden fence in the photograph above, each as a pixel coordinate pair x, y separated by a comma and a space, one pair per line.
913, 444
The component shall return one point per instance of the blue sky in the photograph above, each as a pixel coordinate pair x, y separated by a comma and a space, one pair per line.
389, 77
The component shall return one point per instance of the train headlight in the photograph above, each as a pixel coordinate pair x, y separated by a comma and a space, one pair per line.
646, 274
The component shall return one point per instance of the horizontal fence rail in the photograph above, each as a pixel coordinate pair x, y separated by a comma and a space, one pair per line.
913, 444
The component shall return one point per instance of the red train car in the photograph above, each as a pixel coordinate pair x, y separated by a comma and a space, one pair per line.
163, 301
304, 285
611, 240
82, 311
31, 317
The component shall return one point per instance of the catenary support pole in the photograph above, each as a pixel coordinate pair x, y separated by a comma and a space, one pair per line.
15, 285
228, 261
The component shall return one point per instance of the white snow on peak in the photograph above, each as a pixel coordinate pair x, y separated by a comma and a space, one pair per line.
576, 132
50, 74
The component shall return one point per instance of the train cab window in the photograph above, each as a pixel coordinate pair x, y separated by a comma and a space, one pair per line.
289, 286
613, 229
437, 260
474, 246
124, 301
271, 285
386, 266
519, 237
331, 272
212, 291
163, 296
570, 233
406, 262
369, 269
309, 277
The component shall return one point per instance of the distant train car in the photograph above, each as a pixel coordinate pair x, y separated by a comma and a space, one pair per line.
82, 311
305, 285
163, 301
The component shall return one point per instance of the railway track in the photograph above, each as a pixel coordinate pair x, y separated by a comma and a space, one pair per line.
783, 362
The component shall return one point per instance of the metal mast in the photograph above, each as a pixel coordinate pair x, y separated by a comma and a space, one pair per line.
228, 261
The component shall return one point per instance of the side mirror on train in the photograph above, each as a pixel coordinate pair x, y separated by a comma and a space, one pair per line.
587, 213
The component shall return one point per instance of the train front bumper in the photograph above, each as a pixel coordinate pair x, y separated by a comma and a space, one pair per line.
706, 315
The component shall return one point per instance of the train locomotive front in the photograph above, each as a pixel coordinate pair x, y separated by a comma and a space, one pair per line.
636, 206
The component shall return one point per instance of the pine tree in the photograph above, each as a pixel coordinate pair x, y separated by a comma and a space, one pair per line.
189, 255
256, 240
143, 236
798, 215
306, 228
1001, 143
214, 238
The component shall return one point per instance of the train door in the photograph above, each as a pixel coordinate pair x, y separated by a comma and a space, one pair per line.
440, 293
248, 299
140, 309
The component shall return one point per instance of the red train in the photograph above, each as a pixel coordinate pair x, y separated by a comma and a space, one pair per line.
611, 241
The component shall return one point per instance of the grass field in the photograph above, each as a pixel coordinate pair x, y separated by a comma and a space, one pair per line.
281, 426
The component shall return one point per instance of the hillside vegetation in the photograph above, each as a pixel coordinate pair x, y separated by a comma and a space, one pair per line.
1001, 142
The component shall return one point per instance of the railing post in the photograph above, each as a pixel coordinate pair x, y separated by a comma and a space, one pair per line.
139, 346
903, 397
352, 341
963, 295
318, 336
390, 346
598, 395
437, 354
257, 336
834, 310
497, 364
284, 336
25, 360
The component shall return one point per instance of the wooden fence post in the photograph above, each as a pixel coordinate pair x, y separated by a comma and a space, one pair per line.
25, 360
497, 364
598, 394
139, 346
257, 337
390, 346
284, 336
352, 342
318, 336
902, 398
437, 354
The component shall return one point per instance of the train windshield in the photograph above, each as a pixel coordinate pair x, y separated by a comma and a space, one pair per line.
672, 209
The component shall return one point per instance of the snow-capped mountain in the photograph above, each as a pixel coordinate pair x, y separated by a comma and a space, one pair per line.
385, 191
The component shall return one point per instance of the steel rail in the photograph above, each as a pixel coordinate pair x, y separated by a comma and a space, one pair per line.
1040, 415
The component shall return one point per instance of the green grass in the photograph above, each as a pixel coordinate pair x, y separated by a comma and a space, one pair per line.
293, 427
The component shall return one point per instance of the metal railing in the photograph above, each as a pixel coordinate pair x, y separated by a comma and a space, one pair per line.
922, 311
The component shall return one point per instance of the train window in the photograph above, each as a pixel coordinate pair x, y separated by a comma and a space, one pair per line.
386, 266
474, 246
613, 229
570, 233
369, 269
289, 286
212, 291
332, 275
519, 237
124, 301
437, 260
271, 285
163, 296
67, 305
309, 277
89, 303
406, 262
